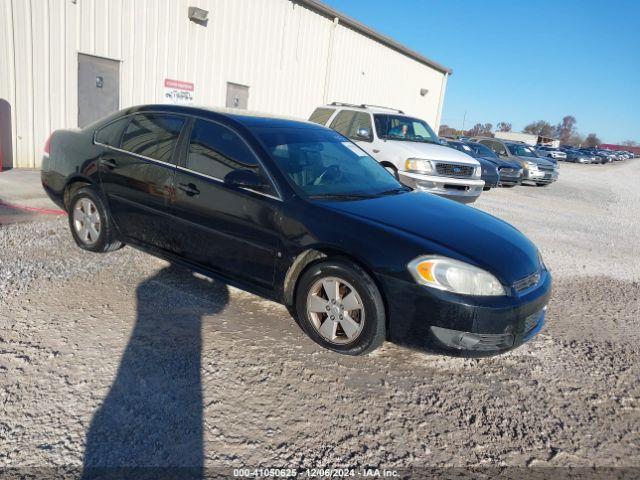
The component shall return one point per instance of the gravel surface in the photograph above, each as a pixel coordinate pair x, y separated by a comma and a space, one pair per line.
120, 359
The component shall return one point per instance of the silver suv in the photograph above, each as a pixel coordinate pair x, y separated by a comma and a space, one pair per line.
535, 169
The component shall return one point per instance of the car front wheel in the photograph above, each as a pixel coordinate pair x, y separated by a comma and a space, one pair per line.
89, 222
340, 307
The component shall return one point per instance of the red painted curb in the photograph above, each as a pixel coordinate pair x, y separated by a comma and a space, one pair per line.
33, 209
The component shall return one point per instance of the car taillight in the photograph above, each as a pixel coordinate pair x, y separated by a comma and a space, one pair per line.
46, 145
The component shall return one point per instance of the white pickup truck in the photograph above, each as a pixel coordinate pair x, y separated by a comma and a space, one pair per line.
407, 146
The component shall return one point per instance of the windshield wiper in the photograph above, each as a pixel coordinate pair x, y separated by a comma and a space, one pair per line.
341, 196
394, 191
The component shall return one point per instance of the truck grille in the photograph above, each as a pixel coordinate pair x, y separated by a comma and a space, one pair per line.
527, 282
454, 170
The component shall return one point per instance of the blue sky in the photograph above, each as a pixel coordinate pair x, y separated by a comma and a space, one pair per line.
520, 61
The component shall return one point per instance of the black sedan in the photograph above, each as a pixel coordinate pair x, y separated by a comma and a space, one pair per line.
510, 174
297, 213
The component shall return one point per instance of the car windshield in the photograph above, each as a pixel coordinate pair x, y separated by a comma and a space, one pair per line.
324, 164
399, 127
522, 151
463, 147
483, 150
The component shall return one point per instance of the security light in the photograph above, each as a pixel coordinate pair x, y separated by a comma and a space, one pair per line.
198, 15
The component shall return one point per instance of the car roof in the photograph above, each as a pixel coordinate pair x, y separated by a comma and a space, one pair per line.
365, 108
245, 117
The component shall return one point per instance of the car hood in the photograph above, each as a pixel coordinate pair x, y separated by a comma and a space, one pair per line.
498, 162
451, 229
538, 160
432, 151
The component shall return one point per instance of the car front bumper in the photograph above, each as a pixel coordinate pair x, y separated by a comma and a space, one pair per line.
464, 190
432, 320
510, 179
540, 176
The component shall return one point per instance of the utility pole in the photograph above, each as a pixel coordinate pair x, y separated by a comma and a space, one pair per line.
464, 119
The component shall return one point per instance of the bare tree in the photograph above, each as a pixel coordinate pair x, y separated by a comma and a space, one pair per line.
631, 143
541, 128
447, 131
480, 130
503, 127
566, 128
575, 140
592, 140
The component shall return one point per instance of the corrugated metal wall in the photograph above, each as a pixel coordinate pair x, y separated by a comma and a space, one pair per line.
292, 58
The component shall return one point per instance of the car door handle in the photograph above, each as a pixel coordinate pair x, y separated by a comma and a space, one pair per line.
189, 188
375, 150
108, 162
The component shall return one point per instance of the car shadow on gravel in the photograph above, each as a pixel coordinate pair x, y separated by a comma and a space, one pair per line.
151, 423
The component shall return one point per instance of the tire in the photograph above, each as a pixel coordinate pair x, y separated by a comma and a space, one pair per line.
366, 323
86, 208
542, 184
486, 189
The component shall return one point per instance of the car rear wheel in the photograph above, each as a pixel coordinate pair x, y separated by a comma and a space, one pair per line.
89, 222
340, 307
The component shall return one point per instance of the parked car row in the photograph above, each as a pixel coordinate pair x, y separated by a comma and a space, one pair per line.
299, 214
584, 155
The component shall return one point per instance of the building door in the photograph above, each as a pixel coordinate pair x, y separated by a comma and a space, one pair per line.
237, 96
98, 88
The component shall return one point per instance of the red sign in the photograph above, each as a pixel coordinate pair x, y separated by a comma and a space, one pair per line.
180, 85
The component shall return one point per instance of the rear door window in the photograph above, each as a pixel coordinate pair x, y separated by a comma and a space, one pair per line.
153, 135
342, 122
321, 115
110, 134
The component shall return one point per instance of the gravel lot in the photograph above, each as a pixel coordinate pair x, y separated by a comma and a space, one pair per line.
119, 359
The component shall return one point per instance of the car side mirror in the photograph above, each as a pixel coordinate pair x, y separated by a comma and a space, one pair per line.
245, 178
364, 134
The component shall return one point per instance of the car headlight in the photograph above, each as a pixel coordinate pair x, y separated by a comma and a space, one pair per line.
418, 165
454, 276
531, 166
477, 172
541, 261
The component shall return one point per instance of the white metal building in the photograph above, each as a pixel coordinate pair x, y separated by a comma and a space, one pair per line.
64, 63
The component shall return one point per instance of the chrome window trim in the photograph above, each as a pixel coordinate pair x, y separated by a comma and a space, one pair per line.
221, 181
137, 155
187, 117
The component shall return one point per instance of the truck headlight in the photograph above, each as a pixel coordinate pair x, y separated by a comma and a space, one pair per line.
418, 165
454, 276
477, 172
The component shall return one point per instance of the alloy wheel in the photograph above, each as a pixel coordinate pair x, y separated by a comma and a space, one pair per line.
336, 310
86, 221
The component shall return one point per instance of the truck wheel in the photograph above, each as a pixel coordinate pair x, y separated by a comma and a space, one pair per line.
90, 223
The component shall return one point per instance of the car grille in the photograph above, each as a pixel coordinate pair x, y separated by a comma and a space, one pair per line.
508, 170
546, 168
527, 282
454, 170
